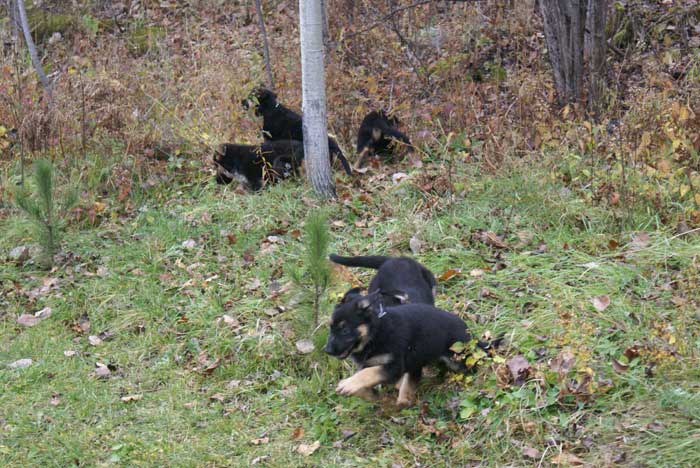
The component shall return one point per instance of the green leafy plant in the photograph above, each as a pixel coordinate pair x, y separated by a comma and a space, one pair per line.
41, 208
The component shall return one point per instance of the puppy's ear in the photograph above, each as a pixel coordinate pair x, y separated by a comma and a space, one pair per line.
350, 295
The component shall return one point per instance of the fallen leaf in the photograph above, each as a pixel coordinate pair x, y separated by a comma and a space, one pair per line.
308, 449
415, 244
305, 346
94, 340
128, 398
619, 367
493, 239
640, 240
451, 273
563, 363
398, 177
260, 440
254, 285
476, 273
601, 302
101, 370
298, 433
19, 254
519, 368
189, 244
55, 399
69, 353
43, 313
20, 363
28, 320
220, 397
566, 459
530, 452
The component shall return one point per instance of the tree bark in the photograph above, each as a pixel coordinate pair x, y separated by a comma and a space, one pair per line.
266, 48
32, 49
565, 33
597, 12
318, 169
13, 16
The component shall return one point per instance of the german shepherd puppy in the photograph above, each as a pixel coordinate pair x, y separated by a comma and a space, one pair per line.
378, 135
392, 344
282, 123
253, 164
399, 280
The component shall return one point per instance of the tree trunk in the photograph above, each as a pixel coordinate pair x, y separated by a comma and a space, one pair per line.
597, 12
32, 49
266, 48
13, 16
318, 168
564, 29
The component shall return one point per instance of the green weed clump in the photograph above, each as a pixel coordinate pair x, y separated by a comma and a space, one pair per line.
42, 210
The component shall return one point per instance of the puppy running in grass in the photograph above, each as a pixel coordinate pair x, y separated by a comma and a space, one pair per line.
392, 344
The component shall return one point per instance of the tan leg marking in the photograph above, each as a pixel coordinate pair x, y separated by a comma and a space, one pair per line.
361, 157
363, 331
362, 380
407, 392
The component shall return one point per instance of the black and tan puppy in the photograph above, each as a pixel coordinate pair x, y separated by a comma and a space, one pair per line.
399, 280
392, 344
282, 123
255, 164
378, 135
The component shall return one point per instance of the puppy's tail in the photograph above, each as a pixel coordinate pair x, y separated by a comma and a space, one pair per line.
370, 261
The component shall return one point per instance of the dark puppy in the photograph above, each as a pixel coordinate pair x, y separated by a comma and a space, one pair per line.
269, 162
378, 135
282, 123
392, 344
399, 280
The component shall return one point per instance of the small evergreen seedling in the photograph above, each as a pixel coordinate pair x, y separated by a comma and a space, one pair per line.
316, 239
41, 208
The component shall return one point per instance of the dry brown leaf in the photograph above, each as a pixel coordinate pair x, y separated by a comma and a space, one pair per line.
260, 440
129, 398
415, 244
519, 368
493, 239
566, 459
298, 433
601, 302
308, 449
530, 452
28, 320
563, 363
451, 273
94, 340
101, 370
619, 367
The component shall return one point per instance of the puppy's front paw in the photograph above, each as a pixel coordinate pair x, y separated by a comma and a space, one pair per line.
403, 402
349, 386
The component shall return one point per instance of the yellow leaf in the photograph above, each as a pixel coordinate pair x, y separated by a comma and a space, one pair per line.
676, 143
683, 114
3, 131
664, 167
697, 198
565, 111
684, 189
72, 70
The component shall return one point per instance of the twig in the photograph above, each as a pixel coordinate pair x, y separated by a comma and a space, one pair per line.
32, 50
266, 48
384, 18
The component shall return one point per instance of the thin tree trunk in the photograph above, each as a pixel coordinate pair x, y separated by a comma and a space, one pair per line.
564, 26
32, 49
13, 15
597, 12
266, 48
318, 168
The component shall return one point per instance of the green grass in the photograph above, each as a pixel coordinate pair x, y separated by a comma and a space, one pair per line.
132, 276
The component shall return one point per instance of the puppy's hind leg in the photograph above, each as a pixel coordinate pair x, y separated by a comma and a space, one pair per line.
407, 390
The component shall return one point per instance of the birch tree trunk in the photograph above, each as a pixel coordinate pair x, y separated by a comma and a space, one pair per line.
32, 49
318, 169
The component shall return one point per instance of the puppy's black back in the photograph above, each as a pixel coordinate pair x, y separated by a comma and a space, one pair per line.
273, 159
376, 133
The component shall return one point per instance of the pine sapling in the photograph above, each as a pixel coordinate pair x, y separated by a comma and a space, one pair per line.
316, 239
41, 208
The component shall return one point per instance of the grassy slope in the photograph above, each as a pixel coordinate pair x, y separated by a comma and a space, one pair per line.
160, 301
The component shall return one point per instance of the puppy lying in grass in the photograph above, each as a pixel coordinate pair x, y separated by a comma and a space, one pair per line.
399, 280
392, 344
255, 164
